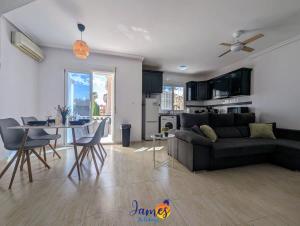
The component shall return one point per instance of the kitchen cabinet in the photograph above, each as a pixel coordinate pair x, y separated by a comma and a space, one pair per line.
240, 81
202, 93
197, 91
152, 82
191, 91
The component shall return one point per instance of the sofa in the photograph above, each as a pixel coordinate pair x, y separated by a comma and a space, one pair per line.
234, 146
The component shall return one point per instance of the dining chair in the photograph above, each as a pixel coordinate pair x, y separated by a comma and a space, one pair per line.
17, 140
88, 144
40, 134
99, 145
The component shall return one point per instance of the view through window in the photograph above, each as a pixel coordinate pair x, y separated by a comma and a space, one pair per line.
172, 98
90, 95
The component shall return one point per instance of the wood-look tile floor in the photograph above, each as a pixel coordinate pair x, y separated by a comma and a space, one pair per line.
252, 195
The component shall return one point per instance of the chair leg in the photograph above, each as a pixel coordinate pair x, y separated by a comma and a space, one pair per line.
20, 152
45, 156
29, 165
8, 164
94, 159
84, 150
54, 151
22, 161
40, 158
103, 149
98, 155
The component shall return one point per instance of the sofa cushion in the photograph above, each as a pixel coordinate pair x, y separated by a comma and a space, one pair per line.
189, 120
209, 132
243, 119
228, 132
261, 130
244, 131
228, 147
197, 130
192, 137
292, 144
221, 120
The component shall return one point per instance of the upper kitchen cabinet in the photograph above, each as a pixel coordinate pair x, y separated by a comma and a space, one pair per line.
152, 82
240, 81
203, 93
235, 83
197, 91
191, 91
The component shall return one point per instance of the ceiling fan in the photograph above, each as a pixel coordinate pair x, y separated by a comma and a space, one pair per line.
240, 45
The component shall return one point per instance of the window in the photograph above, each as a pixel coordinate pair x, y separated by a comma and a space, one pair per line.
172, 98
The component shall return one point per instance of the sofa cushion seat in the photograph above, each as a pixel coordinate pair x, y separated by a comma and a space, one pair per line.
285, 143
229, 147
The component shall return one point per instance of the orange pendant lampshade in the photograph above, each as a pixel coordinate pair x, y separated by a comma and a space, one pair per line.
80, 48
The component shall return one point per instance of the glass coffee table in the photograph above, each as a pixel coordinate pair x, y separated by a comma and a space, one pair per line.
162, 138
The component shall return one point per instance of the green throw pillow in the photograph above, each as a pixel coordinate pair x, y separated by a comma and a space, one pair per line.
209, 132
261, 130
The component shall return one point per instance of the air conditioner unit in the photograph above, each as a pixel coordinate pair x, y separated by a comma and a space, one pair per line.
27, 46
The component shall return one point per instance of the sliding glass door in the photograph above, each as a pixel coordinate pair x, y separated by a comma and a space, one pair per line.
90, 95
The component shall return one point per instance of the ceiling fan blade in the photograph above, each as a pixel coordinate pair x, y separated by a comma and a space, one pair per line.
247, 49
253, 38
228, 51
225, 44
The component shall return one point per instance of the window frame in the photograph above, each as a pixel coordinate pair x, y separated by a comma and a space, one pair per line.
184, 93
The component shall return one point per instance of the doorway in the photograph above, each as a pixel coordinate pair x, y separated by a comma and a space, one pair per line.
90, 95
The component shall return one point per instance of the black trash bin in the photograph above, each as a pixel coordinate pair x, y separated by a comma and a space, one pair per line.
125, 134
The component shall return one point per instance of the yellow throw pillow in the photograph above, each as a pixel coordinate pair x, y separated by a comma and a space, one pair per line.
209, 132
261, 130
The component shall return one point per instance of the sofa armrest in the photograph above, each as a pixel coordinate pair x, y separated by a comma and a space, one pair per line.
288, 134
193, 138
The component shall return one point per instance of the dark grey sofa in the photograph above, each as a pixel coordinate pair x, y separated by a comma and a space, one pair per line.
234, 146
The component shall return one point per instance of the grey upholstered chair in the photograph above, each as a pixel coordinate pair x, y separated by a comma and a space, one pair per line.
40, 134
14, 140
102, 128
89, 143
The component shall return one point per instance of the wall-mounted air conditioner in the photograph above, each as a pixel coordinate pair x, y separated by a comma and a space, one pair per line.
27, 46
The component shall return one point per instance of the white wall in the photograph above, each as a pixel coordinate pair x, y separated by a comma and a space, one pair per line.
18, 78
172, 78
275, 84
128, 85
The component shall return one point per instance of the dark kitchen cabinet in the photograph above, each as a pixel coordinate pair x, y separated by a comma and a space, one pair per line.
240, 81
152, 82
191, 91
197, 91
235, 83
202, 93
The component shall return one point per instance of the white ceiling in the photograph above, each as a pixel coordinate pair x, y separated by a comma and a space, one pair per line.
167, 33
8, 5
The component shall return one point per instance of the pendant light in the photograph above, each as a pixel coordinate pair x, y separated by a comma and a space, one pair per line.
80, 48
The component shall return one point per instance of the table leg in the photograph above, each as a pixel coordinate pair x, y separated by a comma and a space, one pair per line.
153, 152
76, 154
55, 142
29, 165
173, 153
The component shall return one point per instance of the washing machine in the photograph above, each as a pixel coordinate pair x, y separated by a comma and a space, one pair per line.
169, 121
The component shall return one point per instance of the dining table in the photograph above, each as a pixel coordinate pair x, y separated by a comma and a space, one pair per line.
26, 129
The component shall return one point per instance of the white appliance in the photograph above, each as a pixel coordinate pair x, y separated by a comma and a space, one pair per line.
169, 121
152, 106
27, 46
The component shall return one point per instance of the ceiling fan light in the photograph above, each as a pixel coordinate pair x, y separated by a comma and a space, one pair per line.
81, 49
236, 47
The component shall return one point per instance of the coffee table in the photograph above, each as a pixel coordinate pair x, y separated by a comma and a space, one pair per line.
157, 138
